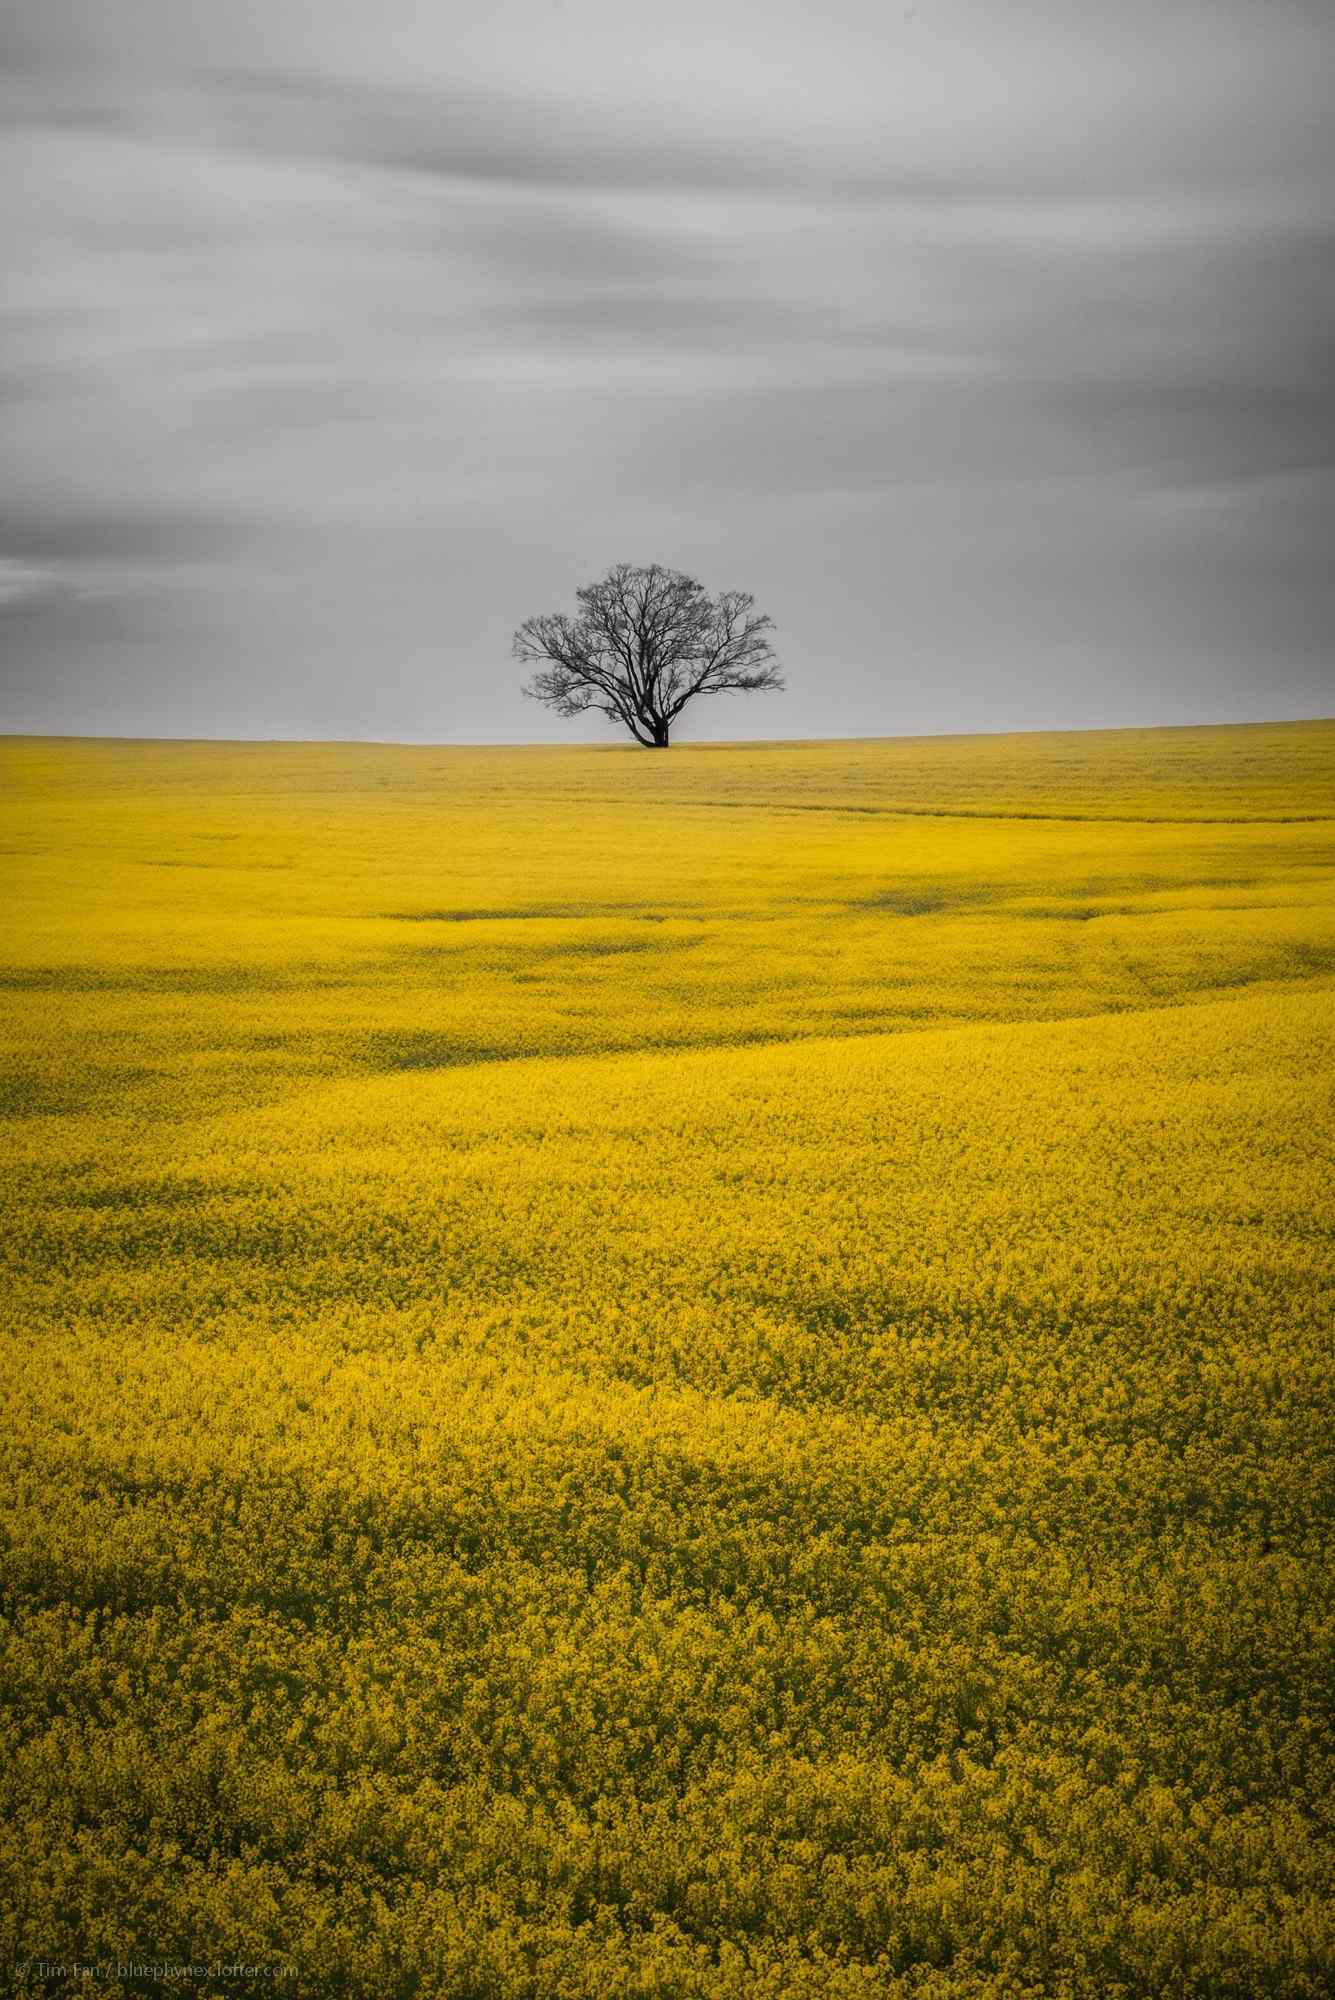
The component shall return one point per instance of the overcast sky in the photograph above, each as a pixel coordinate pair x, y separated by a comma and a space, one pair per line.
989, 345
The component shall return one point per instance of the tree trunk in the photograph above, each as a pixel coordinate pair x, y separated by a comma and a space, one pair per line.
660, 736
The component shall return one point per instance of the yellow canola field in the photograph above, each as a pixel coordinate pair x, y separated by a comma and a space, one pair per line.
671, 1375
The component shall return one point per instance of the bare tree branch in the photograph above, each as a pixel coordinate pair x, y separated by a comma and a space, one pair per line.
643, 644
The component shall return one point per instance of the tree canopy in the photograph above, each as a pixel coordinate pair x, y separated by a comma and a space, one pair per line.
643, 643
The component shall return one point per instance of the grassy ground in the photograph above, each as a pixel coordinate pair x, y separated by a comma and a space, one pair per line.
693, 1375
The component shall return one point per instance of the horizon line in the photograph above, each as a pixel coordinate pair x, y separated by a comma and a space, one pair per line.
636, 749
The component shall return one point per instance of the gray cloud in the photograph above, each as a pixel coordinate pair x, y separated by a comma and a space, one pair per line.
46, 534
468, 133
336, 340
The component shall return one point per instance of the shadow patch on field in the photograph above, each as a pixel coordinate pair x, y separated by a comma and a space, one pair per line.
420, 1048
523, 913
922, 902
613, 947
228, 867
29, 1097
529, 952
25, 1095
1074, 913
1094, 887
184, 1191
186, 979
1001, 814
1312, 960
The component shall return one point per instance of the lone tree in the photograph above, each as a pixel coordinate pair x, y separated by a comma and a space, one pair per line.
643, 643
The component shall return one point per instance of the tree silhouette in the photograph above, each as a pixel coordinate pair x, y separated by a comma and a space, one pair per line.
643, 643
